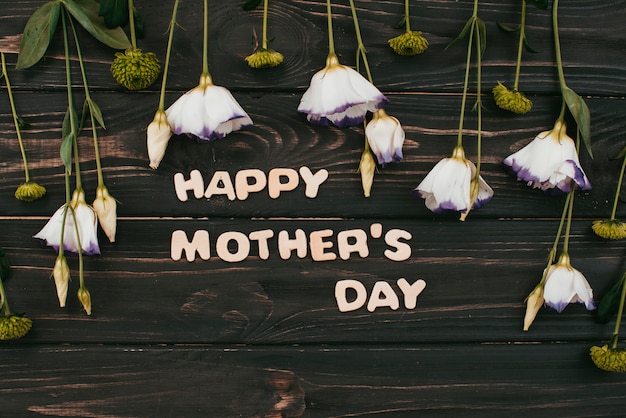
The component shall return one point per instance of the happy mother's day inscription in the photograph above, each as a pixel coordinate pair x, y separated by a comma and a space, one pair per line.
236, 246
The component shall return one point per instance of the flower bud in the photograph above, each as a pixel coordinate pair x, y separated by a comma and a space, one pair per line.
14, 326
159, 133
608, 359
29, 191
61, 274
367, 167
513, 101
105, 207
85, 299
409, 43
534, 302
609, 229
135, 70
264, 58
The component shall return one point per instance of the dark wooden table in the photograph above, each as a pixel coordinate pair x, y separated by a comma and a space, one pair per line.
264, 337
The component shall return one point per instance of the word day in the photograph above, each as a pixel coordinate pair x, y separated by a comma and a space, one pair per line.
381, 296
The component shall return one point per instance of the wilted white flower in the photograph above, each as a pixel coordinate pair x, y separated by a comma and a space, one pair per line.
105, 207
340, 95
207, 112
159, 133
385, 136
565, 285
86, 221
451, 185
549, 162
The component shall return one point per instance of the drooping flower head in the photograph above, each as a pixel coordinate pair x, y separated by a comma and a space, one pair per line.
452, 186
207, 112
409, 43
339, 95
86, 224
134, 69
564, 285
385, 136
550, 161
613, 229
14, 326
264, 58
608, 359
30, 191
511, 100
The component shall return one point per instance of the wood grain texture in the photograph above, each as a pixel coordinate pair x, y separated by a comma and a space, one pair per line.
264, 337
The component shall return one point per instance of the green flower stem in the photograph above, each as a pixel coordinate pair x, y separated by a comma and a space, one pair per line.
131, 23
459, 140
552, 254
205, 39
360, 46
88, 99
619, 188
520, 46
478, 104
620, 311
81, 275
70, 100
407, 17
557, 43
167, 57
331, 37
65, 209
568, 226
3, 299
15, 120
265, 7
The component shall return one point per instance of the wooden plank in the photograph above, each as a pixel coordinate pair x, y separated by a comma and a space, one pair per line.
545, 380
477, 276
590, 35
281, 137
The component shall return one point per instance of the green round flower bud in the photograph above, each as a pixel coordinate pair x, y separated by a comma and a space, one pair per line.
609, 229
409, 43
14, 326
264, 58
135, 70
608, 359
513, 101
29, 191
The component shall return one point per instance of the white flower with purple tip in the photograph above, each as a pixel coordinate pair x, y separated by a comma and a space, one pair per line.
340, 95
207, 112
565, 285
86, 224
549, 162
385, 137
452, 186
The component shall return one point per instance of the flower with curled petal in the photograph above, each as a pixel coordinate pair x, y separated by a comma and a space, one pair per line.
564, 285
339, 95
14, 326
207, 112
452, 185
549, 162
511, 100
385, 136
86, 224
409, 43
134, 69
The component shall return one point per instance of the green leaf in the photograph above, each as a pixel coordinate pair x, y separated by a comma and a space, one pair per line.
86, 13
94, 109
528, 47
66, 151
608, 306
579, 110
481, 30
401, 24
621, 154
37, 34
508, 28
251, 4
5, 267
540, 4
66, 128
114, 12
468, 25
